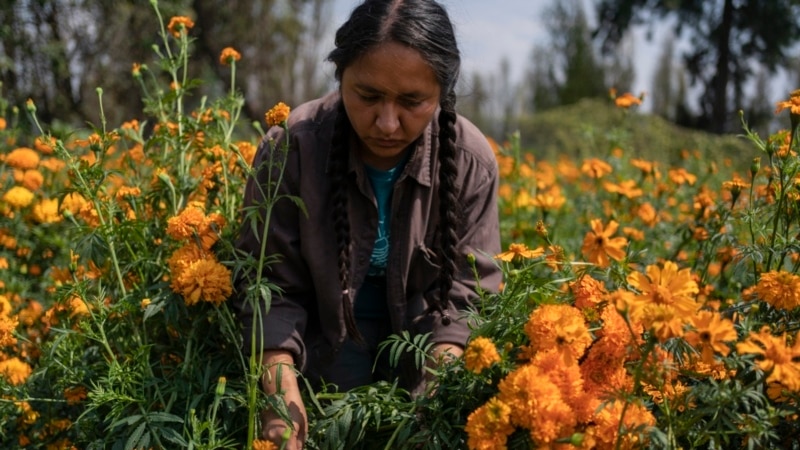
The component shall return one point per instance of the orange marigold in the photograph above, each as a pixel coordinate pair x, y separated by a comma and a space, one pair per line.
780, 289
23, 158
667, 298
7, 327
519, 251
46, 211
277, 115
599, 247
774, 357
793, 104
206, 280
258, 444
228, 56
489, 426
710, 333
560, 327
15, 370
596, 168
537, 405
179, 24
480, 354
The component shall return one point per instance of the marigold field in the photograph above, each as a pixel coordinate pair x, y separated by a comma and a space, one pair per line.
644, 305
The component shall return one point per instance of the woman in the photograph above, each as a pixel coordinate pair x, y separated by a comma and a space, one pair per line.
398, 190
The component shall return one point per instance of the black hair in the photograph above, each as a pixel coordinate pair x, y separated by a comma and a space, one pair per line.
425, 26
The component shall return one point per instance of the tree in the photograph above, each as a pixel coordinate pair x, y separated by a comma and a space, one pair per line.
567, 68
58, 52
727, 38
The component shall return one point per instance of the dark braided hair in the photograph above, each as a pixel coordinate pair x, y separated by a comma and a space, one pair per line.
425, 26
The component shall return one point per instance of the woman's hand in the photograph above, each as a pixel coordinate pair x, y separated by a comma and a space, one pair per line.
280, 378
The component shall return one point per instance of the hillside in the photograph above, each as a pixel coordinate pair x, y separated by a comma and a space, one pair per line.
593, 127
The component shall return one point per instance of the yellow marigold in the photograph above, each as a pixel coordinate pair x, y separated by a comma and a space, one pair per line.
258, 444
72, 202
46, 211
480, 354
15, 370
23, 158
206, 280
277, 115
228, 56
665, 286
178, 24
559, 327
780, 289
489, 426
7, 327
599, 247
18, 197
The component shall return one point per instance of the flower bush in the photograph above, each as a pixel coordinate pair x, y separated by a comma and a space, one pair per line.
642, 306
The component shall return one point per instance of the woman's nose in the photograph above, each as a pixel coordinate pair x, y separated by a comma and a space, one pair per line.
387, 119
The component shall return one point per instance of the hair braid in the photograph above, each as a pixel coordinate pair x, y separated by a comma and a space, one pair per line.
341, 222
448, 219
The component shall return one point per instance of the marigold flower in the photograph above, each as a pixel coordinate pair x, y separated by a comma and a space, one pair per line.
560, 327
7, 327
519, 251
606, 430
793, 104
627, 100
278, 114
75, 394
588, 291
46, 211
205, 279
178, 24
18, 197
15, 370
681, 176
536, 404
780, 289
599, 247
23, 158
480, 354
666, 298
489, 426
626, 188
258, 444
596, 168
2, 123
32, 179
774, 357
710, 333
228, 56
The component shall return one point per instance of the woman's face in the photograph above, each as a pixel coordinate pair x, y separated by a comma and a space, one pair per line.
390, 94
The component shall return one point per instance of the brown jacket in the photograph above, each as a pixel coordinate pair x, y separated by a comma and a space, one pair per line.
308, 306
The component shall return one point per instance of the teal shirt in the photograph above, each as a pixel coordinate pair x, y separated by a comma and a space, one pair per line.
371, 300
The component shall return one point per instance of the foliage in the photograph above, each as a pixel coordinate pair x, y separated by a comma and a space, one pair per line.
714, 29
645, 302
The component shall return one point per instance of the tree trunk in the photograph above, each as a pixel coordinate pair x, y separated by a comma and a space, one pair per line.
720, 81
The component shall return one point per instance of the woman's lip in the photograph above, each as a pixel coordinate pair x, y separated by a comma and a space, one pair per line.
386, 142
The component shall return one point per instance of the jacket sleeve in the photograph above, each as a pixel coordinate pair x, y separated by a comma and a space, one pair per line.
272, 305
479, 236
